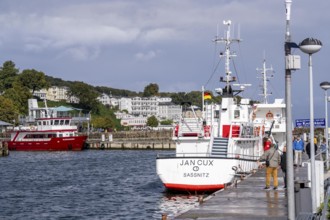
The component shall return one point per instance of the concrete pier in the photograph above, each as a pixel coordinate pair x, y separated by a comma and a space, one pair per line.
246, 200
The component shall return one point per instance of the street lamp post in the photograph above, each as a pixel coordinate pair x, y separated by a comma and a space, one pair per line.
326, 86
310, 46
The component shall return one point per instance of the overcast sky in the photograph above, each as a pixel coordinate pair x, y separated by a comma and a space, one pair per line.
127, 44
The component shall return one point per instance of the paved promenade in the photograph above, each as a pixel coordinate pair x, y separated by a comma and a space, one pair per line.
248, 200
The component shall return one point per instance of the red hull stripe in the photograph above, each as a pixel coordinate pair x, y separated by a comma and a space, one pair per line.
185, 187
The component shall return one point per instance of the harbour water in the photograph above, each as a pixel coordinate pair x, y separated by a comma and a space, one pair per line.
108, 184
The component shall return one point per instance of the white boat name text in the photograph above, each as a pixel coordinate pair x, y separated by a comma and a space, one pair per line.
196, 175
196, 162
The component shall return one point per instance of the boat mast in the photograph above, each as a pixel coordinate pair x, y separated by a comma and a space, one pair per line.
265, 78
227, 40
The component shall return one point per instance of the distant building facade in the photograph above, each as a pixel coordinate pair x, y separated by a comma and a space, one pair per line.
56, 94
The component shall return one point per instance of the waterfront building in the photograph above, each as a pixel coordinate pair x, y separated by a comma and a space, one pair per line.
145, 106
134, 122
168, 110
125, 104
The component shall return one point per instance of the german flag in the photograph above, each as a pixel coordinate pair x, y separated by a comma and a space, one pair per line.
207, 95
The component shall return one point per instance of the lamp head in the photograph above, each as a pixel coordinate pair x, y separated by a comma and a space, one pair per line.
325, 85
310, 45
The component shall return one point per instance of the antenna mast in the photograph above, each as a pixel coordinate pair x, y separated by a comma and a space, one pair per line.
265, 78
227, 54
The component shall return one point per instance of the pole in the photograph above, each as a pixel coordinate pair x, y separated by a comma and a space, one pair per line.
326, 129
289, 152
311, 109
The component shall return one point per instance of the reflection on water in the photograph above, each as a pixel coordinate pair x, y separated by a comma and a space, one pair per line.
86, 185
174, 204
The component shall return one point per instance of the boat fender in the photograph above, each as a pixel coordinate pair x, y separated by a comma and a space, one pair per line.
263, 130
176, 130
207, 131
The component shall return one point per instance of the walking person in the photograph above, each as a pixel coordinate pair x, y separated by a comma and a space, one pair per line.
323, 148
274, 160
298, 147
308, 149
283, 165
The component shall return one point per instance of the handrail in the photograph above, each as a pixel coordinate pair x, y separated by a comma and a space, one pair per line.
192, 154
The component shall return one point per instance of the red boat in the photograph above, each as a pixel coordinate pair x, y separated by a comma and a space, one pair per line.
50, 134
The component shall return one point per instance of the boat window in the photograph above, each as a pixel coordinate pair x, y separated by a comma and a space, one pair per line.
44, 122
236, 114
62, 122
51, 122
56, 122
67, 122
60, 135
39, 122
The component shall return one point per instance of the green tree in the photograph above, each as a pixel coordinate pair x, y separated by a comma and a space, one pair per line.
8, 73
151, 90
103, 122
33, 80
8, 111
86, 94
19, 96
152, 121
166, 122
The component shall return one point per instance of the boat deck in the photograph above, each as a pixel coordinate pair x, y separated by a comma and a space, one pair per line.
247, 200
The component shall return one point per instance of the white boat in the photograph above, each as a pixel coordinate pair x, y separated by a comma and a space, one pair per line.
223, 143
270, 116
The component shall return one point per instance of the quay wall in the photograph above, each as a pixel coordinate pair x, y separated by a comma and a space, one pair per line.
130, 145
131, 140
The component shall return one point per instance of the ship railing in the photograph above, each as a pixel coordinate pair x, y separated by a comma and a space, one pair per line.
189, 127
205, 155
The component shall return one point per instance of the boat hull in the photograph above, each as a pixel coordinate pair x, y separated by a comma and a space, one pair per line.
75, 143
198, 173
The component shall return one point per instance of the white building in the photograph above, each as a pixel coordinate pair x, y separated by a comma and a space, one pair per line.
104, 99
108, 100
145, 106
168, 110
134, 122
125, 104
161, 107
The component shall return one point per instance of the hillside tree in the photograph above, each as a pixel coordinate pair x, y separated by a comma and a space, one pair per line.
8, 111
151, 90
19, 95
8, 73
33, 80
86, 94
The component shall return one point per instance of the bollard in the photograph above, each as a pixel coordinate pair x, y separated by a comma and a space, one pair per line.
164, 216
200, 199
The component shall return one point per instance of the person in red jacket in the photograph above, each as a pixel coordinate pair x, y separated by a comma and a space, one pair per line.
267, 143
